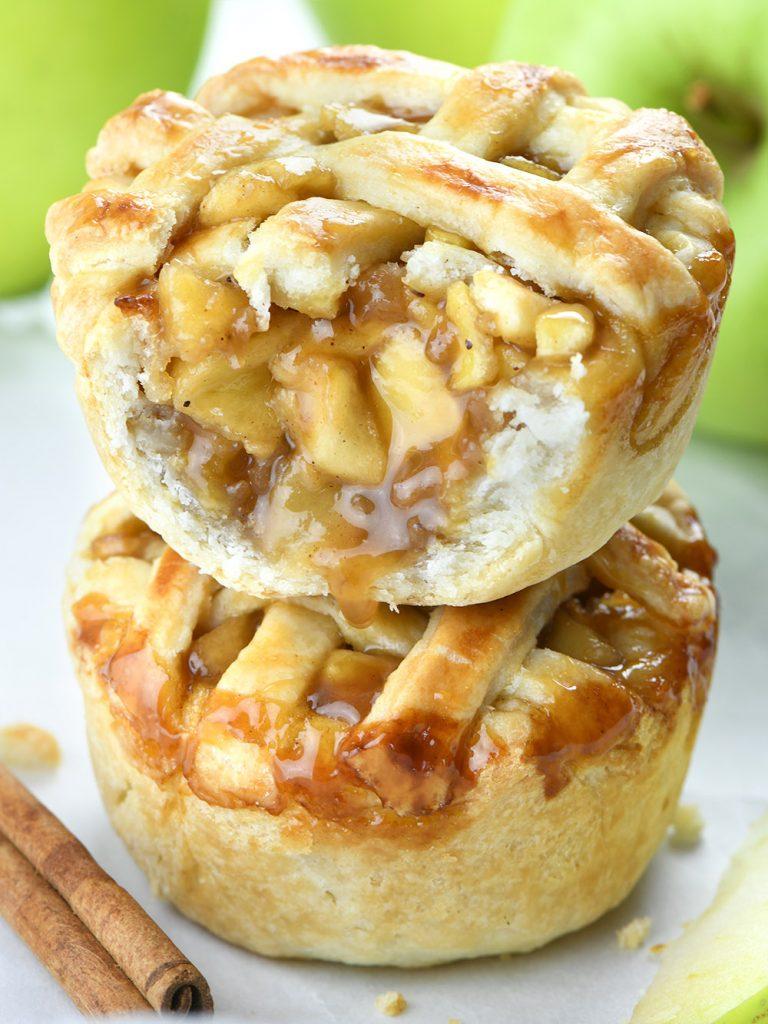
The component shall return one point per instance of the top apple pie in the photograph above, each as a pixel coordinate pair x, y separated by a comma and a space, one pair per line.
363, 323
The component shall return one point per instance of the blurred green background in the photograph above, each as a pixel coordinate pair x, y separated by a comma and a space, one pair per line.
73, 63
65, 67
461, 31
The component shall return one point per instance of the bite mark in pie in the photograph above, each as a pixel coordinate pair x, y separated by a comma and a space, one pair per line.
365, 324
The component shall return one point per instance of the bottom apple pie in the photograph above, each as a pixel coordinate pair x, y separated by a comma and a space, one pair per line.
439, 784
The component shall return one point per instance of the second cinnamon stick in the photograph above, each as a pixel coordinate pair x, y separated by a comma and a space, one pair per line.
157, 968
58, 937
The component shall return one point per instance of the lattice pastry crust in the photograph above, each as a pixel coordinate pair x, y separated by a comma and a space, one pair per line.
274, 754
360, 323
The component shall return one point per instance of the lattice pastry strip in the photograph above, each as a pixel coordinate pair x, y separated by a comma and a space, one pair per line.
360, 75
524, 99
502, 109
440, 686
641, 567
171, 606
273, 672
287, 263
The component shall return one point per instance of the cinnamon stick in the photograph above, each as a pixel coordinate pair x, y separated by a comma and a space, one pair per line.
155, 966
59, 938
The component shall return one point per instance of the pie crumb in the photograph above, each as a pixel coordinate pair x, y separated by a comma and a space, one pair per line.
28, 747
578, 369
687, 826
391, 1004
658, 947
634, 934
454, 1020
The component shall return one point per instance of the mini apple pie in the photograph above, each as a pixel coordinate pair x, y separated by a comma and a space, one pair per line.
364, 324
436, 784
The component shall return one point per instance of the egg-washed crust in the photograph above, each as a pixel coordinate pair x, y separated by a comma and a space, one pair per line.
495, 792
632, 228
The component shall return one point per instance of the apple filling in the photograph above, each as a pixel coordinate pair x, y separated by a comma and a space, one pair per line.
338, 412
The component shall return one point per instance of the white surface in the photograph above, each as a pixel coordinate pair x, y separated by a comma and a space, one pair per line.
50, 474
241, 29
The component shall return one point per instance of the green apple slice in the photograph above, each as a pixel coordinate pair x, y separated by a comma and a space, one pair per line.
717, 971
751, 1011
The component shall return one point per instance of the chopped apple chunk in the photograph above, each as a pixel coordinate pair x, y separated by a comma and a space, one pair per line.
511, 307
521, 163
476, 365
199, 314
349, 682
564, 330
260, 189
214, 252
342, 340
423, 410
306, 256
213, 652
435, 234
347, 121
512, 360
302, 504
350, 669
235, 402
329, 417
231, 391
432, 267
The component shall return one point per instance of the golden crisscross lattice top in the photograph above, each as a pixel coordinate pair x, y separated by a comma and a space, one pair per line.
573, 191
269, 704
322, 271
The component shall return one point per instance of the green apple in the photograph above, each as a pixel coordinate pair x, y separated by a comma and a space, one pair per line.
717, 971
707, 60
444, 29
751, 1011
67, 66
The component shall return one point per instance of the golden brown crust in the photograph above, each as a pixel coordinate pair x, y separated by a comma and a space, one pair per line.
503, 873
355, 74
348, 805
632, 227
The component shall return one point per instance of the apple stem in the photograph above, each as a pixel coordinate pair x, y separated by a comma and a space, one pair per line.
724, 118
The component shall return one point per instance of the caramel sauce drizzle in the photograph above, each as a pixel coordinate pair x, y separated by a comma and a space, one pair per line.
166, 712
301, 751
584, 721
146, 693
366, 530
307, 751
100, 624
386, 523
648, 663
426, 764
142, 687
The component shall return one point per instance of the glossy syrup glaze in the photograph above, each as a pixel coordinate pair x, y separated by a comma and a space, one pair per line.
642, 663
327, 752
308, 747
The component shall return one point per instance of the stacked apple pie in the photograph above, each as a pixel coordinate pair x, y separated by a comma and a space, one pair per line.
395, 637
